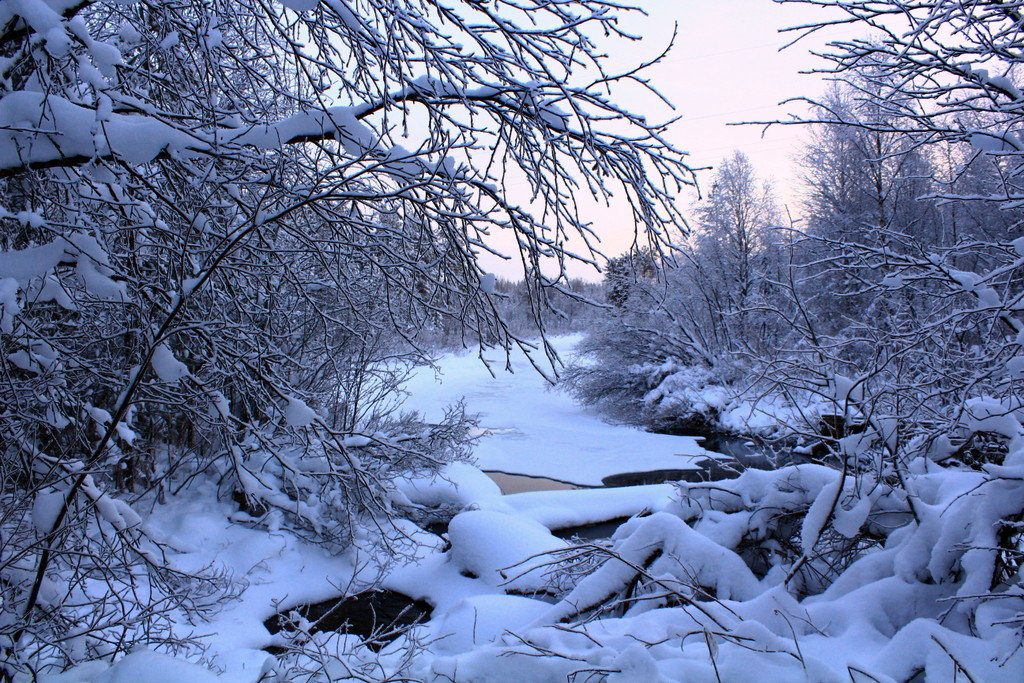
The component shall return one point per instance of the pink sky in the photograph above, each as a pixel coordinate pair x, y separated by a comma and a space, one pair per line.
726, 67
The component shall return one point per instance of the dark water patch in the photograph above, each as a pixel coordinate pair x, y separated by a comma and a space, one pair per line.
741, 453
708, 469
697, 425
592, 532
437, 528
378, 616
645, 478
751, 453
744, 452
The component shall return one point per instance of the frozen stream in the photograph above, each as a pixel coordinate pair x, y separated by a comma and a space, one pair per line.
456, 583
531, 429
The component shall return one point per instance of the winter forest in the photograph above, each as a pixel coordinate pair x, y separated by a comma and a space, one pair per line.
300, 379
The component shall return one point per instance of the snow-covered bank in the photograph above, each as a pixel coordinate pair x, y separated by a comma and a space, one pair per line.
499, 544
566, 509
675, 595
687, 595
463, 486
533, 430
804, 573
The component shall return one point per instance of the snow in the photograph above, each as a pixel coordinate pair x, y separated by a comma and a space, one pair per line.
533, 430
141, 665
458, 484
579, 507
882, 617
10, 307
298, 414
342, 123
483, 619
137, 139
502, 549
273, 570
34, 262
93, 267
152, 667
437, 580
668, 549
300, 5
689, 605
220, 406
44, 20
886, 627
45, 510
994, 143
166, 366
487, 282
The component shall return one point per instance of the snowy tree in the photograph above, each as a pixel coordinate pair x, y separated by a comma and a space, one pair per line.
735, 252
624, 274
858, 178
694, 319
924, 376
915, 81
224, 227
861, 184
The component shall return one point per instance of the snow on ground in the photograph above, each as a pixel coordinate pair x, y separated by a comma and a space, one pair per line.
513, 602
462, 485
275, 570
533, 430
566, 509
878, 622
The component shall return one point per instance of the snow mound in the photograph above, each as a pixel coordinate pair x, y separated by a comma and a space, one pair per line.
458, 484
483, 619
503, 549
141, 665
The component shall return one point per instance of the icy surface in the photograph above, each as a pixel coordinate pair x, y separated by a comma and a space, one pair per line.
537, 431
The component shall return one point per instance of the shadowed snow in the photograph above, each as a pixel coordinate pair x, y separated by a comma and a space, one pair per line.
532, 429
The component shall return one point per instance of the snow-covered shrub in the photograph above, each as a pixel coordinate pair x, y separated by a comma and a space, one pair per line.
329, 656
319, 486
639, 363
685, 398
612, 370
765, 526
718, 584
109, 585
633, 375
